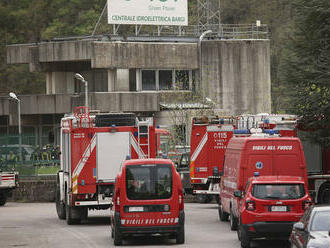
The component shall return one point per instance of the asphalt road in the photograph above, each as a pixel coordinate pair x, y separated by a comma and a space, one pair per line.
36, 225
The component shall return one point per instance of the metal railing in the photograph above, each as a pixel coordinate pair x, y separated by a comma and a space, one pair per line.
190, 32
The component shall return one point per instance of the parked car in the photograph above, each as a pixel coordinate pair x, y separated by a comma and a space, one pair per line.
313, 229
148, 199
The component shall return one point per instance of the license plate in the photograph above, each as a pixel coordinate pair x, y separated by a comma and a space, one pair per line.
136, 209
279, 209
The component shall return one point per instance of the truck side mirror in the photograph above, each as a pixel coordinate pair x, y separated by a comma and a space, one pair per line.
238, 193
299, 226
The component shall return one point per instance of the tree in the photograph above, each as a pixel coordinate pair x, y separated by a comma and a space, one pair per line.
306, 68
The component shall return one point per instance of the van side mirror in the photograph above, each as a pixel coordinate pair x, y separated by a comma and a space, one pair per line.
238, 193
299, 226
312, 194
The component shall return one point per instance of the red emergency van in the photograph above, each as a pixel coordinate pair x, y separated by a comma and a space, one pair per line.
280, 163
148, 199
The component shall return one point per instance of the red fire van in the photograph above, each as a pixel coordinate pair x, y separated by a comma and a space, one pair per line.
280, 162
148, 199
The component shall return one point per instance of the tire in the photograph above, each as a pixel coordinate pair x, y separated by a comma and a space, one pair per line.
245, 241
223, 216
117, 238
69, 212
3, 199
233, 221
180, 236
60, 206
324, 194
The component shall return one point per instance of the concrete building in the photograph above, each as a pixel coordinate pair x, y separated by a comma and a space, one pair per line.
140, 76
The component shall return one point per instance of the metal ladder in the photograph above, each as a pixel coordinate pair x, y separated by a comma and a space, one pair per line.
143, 132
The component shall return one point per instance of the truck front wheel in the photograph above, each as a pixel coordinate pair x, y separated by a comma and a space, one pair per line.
60, 206
223, 216
233, 221
3, 199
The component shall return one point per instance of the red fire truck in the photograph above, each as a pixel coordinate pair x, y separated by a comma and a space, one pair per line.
93, 147
209, 139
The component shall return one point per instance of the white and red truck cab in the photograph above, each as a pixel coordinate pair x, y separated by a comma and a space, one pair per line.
273, 158
148, 199
209, 139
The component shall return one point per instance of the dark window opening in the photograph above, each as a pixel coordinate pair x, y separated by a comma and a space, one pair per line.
148, 80
165, 80
278, 191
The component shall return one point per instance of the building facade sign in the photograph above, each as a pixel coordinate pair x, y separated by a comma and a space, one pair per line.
148, 12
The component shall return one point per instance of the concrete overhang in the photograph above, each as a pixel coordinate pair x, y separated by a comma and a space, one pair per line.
110, 54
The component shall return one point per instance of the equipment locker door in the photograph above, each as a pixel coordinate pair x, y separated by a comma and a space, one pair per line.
111, 151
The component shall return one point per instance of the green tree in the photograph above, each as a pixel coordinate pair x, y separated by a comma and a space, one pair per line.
306, 68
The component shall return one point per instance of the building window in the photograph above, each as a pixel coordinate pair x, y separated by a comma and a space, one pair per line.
148, 80
165, 80
182, 80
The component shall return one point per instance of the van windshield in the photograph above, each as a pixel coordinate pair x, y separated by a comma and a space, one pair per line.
278, 191
149, 181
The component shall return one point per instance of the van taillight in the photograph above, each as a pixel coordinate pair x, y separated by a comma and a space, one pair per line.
117, 200
250, 205
181, 201
306, 204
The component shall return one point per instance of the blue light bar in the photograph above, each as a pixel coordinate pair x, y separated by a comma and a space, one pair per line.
241, 131
256, 174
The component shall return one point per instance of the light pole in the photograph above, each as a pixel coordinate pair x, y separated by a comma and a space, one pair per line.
81, 78
13, 95
201, 37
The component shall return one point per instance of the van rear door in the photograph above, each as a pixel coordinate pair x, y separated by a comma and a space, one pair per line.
149, 198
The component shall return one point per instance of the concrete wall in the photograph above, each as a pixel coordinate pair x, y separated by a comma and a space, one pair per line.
35, 189
145, 55
236, 75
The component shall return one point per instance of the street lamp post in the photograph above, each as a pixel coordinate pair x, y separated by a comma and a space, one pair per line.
201, 37
81, 78
13, 95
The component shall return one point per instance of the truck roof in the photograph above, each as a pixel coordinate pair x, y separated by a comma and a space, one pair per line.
148, 160
277, 179
239, 142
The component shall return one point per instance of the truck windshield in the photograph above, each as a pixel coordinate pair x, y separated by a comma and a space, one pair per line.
149, 181
278, 191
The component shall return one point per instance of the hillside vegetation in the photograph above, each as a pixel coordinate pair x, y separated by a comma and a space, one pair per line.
299, 33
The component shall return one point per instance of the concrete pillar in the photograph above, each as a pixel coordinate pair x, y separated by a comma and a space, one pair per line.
138, 80
112, 77
157, 79
190, 80
122, 80
49, 83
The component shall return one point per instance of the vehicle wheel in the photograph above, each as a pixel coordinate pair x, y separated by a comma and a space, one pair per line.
3, 199
217, 198
223, 216
60, 206
324, 194
84, 213
117, 239
245, 241
112, 233
233, 221
70, 212
180, 236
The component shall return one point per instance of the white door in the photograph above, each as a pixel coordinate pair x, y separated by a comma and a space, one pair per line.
111, 151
